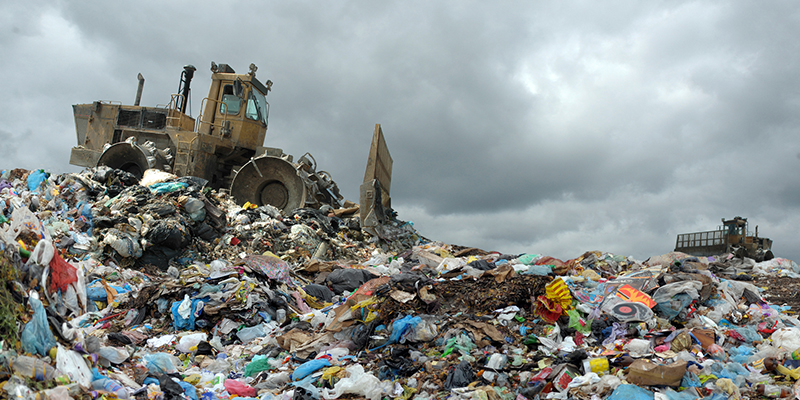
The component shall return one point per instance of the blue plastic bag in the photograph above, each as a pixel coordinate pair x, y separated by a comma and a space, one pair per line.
180, 323
309, 367
631, 392
35, 180
671, 309
682, 395
188, 390
159, 363
400, 326
541, 270
690, 379
167, 187
98, 293
36, 337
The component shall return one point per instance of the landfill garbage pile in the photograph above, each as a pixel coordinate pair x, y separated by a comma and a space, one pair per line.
162, 289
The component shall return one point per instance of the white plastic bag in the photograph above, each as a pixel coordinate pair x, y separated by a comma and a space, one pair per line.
357, 382
43, 252
73, 365
24, 220
786, 340
188, 341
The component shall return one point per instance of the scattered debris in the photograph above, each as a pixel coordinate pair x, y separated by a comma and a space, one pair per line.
171, 290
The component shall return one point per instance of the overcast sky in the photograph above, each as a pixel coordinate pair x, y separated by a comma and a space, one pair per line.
542, 127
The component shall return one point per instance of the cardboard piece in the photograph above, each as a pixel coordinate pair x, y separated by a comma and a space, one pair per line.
645, 373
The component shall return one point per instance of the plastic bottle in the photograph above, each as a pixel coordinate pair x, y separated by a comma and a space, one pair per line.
30, 367
110, 386
281, 316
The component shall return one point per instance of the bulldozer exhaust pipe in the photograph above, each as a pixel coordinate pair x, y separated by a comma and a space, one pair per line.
139, 90
186, 82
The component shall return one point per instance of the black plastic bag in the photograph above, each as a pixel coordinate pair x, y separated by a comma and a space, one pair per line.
482, 265
158, 256
462, 375
347, 279
170, 233
320, 292
171, 389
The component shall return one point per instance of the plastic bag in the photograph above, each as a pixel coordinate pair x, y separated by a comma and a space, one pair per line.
528, 259
24, 220
188, 390
495, 362
666, 292
357, 382
749, 334
36, 337
690, 379
305, 393
347, 279
631, 392
541, 270
402, 325
238, 388
578, 323
672, 308
36, 179
257, 364
248, 334
184, 313
462, 375
271, 266
786, 340
73, 365
425, 331
309, 367
101, 382
62, 274
113, 355
186, 342
160, 363
43, 252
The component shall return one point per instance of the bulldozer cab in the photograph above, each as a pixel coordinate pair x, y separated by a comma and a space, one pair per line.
735, 229
236, 108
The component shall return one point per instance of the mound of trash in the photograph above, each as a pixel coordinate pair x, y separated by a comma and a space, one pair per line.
164, 289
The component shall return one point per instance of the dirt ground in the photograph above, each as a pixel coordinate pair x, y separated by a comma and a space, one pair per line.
781, 291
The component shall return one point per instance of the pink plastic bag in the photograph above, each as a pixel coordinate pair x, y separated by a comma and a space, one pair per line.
238, 388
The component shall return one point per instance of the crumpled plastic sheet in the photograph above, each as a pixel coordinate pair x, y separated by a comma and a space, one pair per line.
270, 266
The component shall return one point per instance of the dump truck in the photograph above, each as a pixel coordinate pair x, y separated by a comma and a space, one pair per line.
223, 146
732, 237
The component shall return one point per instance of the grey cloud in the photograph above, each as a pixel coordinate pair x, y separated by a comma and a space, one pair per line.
547, 127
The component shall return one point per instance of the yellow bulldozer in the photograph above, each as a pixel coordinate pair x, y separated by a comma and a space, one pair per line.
732, 237
224, 145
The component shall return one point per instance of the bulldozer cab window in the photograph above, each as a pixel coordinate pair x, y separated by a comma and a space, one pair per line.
257, 106
732, 229
231, 103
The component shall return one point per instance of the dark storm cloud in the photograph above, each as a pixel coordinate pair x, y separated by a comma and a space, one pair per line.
541, 127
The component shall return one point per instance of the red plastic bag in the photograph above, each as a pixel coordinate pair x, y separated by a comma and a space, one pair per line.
238, 388
62, 274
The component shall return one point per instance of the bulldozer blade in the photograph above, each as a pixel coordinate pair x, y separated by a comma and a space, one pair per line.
269, 180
